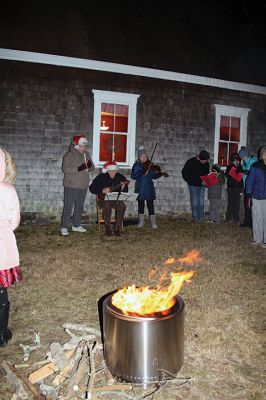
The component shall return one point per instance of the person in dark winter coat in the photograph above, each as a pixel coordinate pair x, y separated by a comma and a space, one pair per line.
143, 173
110, 180
256, 193
192, 171
234, 188
77, 164
215, 194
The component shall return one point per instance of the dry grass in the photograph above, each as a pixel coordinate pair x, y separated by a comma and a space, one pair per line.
225, 304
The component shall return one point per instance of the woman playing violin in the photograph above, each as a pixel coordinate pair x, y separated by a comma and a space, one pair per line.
144, 172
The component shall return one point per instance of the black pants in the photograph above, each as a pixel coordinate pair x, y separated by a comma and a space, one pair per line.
233, 204
4, 310
150, 206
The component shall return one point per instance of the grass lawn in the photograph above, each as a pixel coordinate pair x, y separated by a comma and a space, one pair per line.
63, 278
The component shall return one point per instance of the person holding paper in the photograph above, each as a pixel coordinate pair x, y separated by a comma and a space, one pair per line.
234, 176
110, 180
193, 170
77, 164
215, 194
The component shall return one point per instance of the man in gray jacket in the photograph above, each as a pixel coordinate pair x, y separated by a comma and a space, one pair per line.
77, 164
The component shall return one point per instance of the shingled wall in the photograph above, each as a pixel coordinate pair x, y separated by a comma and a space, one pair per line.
42, 107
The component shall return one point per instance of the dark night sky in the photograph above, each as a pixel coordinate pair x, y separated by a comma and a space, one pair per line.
221, 39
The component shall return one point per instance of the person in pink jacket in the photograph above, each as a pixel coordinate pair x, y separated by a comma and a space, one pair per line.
9, 256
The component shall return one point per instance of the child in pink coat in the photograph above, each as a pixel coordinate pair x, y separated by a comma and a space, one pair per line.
9, 256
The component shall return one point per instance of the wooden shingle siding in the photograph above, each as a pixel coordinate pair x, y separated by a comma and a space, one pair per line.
42, 107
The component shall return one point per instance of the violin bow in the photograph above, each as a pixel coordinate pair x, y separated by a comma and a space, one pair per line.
156, 144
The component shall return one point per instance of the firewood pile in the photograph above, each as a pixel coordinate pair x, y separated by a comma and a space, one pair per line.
73, 370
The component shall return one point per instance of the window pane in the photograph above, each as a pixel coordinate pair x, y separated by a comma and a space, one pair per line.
235, 129
224, 127
121, 118
106, 144
121, 124
233, 148
107, 123
120, 148
113, 147
222, 154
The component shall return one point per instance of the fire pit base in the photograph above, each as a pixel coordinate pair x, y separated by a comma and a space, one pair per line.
143, 349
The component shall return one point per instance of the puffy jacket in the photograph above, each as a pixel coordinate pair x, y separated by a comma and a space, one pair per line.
246, 165
256, 181
144, 183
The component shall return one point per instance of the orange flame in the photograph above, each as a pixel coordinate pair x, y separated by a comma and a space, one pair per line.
190, 258
159, 299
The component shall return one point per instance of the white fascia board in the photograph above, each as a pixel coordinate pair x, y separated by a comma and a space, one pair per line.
50, 59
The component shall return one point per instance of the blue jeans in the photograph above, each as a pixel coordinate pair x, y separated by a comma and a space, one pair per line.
197, 201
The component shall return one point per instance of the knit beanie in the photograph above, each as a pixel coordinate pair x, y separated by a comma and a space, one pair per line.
204, 155
243, 152
109, 166
142, 151
216, 168
235, 157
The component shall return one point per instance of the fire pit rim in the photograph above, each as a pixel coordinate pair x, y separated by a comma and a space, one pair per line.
110, 308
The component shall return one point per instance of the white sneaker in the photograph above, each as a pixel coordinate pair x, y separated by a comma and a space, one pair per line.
79, 229
64, 231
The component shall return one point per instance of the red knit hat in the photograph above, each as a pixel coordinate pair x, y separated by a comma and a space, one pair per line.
109, 166
80, 140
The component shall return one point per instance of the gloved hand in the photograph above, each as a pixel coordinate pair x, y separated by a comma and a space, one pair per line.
85, 165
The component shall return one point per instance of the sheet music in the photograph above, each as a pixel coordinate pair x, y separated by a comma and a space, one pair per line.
112, 196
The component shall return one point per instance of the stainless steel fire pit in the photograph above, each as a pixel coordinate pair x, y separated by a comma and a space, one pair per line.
141, 349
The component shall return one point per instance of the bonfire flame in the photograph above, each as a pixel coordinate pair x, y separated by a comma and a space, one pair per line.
149, 301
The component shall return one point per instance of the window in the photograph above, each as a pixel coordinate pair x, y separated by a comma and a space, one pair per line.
230, 132
114, 128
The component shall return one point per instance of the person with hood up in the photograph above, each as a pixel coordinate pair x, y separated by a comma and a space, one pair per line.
246, 162
9, 256
77, 164
256, 193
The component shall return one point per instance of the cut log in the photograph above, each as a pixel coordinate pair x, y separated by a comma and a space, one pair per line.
46, 370
84, 328
22, 378
20, 392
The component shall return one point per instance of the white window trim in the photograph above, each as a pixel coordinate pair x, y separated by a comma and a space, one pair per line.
230, 111
102, 96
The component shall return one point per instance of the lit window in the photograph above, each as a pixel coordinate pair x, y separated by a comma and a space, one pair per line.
114, 127
230, 132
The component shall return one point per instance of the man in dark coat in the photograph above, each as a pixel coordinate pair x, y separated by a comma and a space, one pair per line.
193, 169
110, 180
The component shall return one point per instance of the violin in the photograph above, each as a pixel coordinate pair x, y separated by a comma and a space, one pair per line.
149, 166
101, 196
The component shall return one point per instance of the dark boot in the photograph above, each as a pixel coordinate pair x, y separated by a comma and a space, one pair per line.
108, 230
5, 333
117, 231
